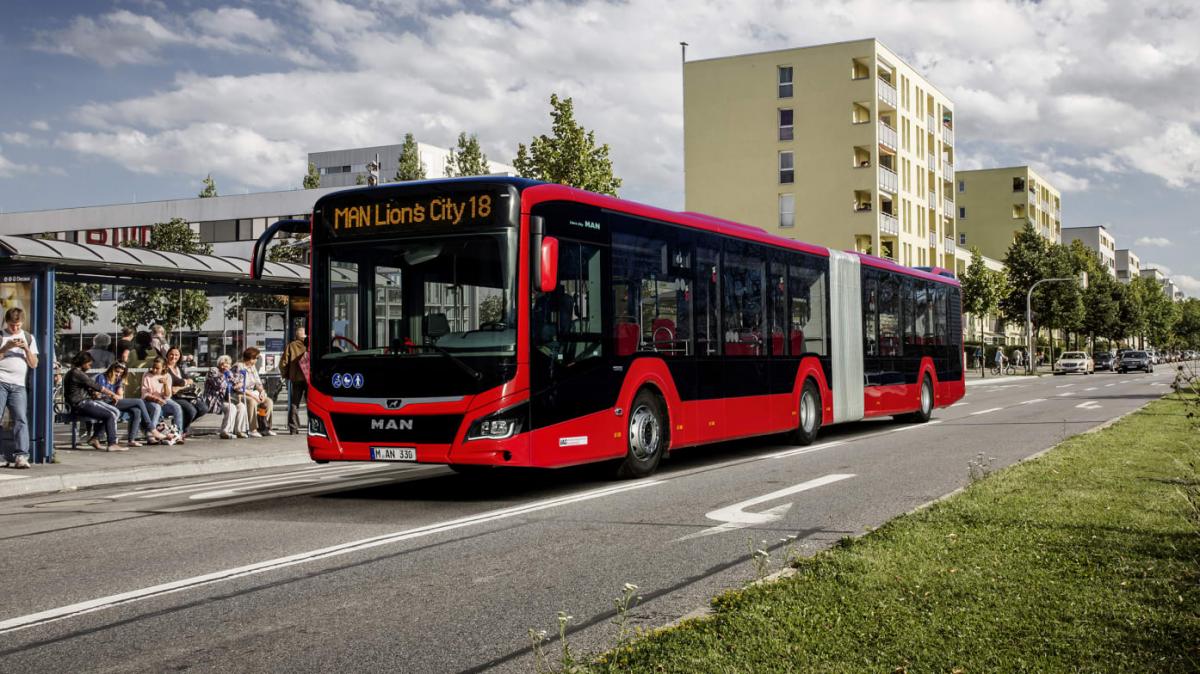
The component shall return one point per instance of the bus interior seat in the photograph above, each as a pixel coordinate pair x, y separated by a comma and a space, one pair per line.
436, 325
627, 335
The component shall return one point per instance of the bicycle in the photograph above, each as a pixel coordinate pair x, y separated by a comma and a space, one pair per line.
1008, 369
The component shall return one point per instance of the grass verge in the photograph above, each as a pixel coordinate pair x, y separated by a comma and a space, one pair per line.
1085, 559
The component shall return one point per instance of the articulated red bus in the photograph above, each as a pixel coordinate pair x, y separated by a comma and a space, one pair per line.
506, 322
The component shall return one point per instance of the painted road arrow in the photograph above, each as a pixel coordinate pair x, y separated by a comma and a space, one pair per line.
735, 517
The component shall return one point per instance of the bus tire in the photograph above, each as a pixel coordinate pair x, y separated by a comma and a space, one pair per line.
645, 437
809, 422
925, 411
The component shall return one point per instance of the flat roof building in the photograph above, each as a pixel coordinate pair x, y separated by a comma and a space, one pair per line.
994, 204
345, 168
1129, 266
1098, 240
843, 145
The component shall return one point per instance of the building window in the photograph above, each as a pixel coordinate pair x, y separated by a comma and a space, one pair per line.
787, 210
962, 186
962, 238
962, 212
787, 168
785, 81
785, 124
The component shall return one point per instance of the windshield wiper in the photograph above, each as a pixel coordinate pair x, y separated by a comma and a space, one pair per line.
462, 364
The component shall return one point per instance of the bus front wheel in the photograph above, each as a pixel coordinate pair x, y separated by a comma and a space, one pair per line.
809, 422
646, 436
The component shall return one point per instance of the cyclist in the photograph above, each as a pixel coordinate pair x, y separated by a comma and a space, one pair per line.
1001, 359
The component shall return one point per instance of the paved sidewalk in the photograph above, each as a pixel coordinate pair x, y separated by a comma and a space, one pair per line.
203, 454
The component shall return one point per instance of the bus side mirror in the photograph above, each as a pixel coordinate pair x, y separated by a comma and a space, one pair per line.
258, 259
548, 267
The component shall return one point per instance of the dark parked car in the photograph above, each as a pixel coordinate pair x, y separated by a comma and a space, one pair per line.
1135, 360
1104, 360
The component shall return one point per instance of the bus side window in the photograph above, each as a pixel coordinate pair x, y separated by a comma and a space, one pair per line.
870, 308
567, 320
807, 314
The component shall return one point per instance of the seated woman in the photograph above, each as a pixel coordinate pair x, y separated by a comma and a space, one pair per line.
156, 392
223, 390
258, 404
113, 380
81, 394
183, 390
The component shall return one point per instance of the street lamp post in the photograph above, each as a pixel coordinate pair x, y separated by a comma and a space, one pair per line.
1083, 283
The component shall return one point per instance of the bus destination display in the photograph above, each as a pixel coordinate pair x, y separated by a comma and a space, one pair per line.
464, 209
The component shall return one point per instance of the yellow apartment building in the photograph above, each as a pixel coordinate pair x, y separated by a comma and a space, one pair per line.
842, 145
994, 204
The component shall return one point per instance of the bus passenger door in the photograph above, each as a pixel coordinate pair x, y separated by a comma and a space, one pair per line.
570, 377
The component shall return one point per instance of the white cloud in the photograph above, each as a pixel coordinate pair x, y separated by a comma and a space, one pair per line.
1154, 265
1064, 181
16, 138
197, 150
1173, 155
1189, 284
1153, 241
7, 167
116, 38
39, 125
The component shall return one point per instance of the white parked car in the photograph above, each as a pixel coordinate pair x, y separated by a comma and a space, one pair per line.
1074, 361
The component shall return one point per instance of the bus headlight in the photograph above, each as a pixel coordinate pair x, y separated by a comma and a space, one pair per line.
499, 425
316, 427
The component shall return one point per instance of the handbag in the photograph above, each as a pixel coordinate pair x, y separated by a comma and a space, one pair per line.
188, 394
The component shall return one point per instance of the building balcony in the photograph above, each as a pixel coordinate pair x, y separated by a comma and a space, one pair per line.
948, 207
949, 243
931, 162
933, 239
889, 224
1057, 213
947, 135
887, 92
887, 137
932, 199
931, 123
888, 180
947, 171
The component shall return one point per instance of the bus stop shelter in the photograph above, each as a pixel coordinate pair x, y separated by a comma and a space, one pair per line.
31, 267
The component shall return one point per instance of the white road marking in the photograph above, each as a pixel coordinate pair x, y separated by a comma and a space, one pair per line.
735, 516
912, 426
1064, 386
1030, 402
1090, 388
1123, 381
316, 477
806, 450
1089, 405
16, 476
1068, 393
55, 614
993, 409
959, 404
1107, 385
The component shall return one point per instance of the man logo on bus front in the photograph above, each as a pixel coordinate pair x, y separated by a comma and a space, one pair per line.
394, 403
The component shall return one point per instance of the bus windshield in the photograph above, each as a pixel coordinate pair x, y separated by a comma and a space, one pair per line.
449, 297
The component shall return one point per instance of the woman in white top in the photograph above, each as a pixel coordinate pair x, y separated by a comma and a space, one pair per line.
259, 405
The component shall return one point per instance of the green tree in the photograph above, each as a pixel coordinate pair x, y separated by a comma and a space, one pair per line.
570, 156
982, 289
410, 166
467, 159
1059, 305
1102, 314
360, 179
1025, 263
210, 188
1161, 312
1188, 327
312, 179
1132, 311
172, 308
76, 300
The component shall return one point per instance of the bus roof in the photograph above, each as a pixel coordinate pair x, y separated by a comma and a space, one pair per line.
544, 191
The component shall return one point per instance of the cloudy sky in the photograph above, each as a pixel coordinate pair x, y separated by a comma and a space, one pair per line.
118, 100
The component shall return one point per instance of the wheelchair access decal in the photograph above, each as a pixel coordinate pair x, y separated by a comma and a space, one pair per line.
347, 381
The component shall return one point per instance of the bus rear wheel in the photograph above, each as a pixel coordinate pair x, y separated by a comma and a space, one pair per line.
925, 411
809, 423
646, 436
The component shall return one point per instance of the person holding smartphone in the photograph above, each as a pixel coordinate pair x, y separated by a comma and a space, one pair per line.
18, 353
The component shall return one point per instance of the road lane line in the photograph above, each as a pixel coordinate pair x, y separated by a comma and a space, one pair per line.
1064, 386
1089, 405
1090, 388
1068, 393
202, 485
912, 426
993, 409
1030, 402
62, 612
959, 404
1107, 385
806, 450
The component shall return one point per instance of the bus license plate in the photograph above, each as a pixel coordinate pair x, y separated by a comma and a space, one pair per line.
393, 454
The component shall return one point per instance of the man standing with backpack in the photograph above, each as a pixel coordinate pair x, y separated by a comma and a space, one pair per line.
18, 353
292, 368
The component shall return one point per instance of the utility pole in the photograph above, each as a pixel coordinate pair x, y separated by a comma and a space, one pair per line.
683, 111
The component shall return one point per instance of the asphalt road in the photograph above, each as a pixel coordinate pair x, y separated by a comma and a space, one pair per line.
367, 567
